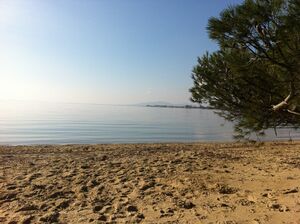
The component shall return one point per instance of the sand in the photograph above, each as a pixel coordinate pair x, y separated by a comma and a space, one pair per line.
151, 183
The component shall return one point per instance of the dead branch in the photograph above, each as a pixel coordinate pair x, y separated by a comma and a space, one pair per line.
293, 112
282, 104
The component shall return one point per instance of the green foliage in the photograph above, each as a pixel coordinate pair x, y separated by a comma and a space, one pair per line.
253, 79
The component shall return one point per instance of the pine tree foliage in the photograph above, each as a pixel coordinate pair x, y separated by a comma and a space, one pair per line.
254, 77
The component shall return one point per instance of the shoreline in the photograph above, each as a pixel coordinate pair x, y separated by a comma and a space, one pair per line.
242, 142
192, 182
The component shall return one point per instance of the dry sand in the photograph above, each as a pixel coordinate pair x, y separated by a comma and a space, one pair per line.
151, 183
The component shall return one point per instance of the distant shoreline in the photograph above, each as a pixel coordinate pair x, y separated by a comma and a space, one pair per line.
184, 106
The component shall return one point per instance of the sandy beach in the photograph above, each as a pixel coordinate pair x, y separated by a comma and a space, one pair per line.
151, 183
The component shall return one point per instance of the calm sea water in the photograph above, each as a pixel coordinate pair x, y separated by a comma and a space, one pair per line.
41, 123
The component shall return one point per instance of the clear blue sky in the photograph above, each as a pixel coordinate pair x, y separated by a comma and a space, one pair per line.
102, 51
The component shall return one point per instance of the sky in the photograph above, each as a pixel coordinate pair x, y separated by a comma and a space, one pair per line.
103, 51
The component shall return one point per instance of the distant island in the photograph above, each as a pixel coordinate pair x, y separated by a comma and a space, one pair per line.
165, 104
178, 106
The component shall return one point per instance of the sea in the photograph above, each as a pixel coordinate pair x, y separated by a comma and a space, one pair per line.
31, 123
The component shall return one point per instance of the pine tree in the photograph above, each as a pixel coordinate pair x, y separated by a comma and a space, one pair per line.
253, 79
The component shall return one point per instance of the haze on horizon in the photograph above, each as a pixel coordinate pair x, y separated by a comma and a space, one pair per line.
108, 51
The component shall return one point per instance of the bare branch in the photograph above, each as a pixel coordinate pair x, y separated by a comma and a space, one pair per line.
293, 112
283, 103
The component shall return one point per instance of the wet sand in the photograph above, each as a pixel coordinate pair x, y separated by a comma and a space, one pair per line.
151, 183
